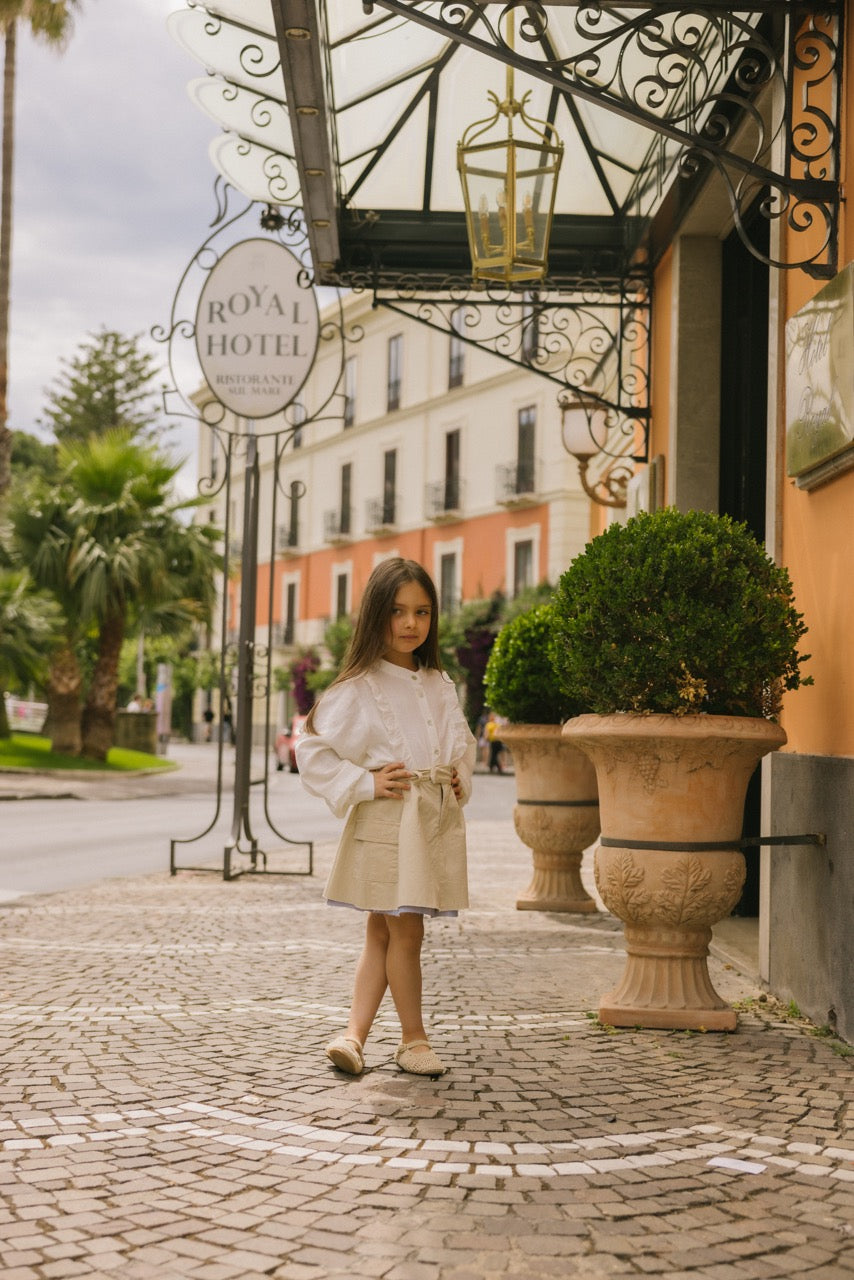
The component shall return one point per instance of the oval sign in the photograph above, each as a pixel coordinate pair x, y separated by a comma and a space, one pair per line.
256, 328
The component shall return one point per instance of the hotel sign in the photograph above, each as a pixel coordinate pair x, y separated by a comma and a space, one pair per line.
820, 382
257, 327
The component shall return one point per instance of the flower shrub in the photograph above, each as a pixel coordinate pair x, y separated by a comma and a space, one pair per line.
677, 612
301, 670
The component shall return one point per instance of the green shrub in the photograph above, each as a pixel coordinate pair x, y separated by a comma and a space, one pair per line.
520, 681
679, 613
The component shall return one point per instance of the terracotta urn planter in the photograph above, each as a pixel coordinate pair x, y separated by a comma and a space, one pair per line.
671, 794
556, 815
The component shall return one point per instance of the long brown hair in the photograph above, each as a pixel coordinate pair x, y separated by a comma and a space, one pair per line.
369, 640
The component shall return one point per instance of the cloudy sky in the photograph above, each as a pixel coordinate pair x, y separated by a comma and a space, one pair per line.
113, 190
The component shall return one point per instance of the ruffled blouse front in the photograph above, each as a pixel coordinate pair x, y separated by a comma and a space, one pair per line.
388, 714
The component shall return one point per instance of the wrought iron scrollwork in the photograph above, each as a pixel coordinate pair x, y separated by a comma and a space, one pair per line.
713, 86
594, 340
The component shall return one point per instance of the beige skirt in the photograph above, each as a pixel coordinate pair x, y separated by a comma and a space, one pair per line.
405, 854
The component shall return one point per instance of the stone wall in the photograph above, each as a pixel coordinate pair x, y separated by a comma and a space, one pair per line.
811, 889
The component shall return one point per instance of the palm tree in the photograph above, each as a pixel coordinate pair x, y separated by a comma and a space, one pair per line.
132, 556
27, 624
48, 20
109, 543
42, 537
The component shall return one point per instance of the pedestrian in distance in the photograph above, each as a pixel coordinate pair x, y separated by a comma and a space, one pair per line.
388, 742
496, 746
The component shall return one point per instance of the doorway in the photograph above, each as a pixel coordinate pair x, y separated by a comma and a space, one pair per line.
743, 437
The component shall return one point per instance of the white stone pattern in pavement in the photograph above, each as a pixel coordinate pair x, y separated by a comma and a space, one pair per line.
724, 1150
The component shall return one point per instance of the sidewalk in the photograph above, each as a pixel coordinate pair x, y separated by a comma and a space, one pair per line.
167, 1112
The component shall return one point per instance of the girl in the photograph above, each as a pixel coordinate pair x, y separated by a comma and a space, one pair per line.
388, 738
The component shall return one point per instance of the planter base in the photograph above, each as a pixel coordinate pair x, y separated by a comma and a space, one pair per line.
556, 885
667, 1019
666, 984
556, 816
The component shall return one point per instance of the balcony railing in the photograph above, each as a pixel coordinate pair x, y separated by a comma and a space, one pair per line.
337, 526
282, 634
516, 483
287, 539
381, 514
444, 499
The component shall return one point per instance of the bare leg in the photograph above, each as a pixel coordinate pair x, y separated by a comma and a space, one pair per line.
403, 969
371, 980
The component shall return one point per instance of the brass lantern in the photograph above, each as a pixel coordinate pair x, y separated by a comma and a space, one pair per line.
509, 185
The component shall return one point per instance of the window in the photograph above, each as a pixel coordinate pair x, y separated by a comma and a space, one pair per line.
525, 449
342, 582
298, 418
289, 628
457, 349
297, 491
530, 327
448, 596
395, 362
344, 512
389, 486
349, 391
452, 470
523, 566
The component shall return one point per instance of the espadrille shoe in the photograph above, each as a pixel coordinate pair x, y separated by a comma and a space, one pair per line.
346, 1054
419, 1064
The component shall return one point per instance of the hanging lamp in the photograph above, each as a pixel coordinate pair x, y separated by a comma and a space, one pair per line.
509, 182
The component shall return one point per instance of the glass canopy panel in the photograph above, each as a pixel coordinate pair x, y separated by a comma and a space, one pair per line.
255, 14
261, 174
398, 182
385, 68
357, 130
240, 55
237, 110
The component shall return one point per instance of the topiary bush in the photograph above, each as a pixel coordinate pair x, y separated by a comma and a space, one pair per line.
677, 612
520, 681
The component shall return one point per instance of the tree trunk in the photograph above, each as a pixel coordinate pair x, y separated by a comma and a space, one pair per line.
63, 701
6, 250
99, 713
5, 731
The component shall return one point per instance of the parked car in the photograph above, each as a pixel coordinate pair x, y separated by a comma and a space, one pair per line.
286, 741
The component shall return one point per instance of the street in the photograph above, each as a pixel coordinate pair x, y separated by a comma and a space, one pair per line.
47, 845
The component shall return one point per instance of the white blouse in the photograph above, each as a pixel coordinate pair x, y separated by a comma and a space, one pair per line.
371, 720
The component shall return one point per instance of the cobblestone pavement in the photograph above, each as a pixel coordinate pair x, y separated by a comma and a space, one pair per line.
168, 1112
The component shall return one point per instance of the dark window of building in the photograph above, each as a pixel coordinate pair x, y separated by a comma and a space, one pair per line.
293, 523
525, 449
389, 486
457, 349
530, 327
448, 596
346, 483
395, 363
523, 566
299, 417
349, 391
340, 595
452, 470
289, 629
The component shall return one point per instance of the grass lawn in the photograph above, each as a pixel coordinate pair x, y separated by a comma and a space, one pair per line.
28, 751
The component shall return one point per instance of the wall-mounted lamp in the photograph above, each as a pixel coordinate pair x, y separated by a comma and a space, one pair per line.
584, 431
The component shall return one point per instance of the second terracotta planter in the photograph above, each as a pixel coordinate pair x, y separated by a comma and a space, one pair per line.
556, 815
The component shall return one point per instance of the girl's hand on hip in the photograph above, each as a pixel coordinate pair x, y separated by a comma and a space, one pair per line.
390, 781
456, 785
